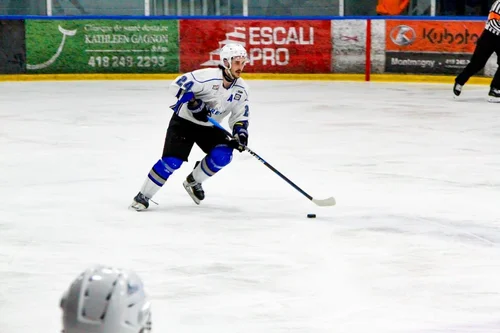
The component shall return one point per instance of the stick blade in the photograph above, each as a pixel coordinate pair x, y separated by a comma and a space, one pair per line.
325, 202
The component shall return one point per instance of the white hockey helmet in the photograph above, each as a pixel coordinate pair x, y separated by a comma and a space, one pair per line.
106, 300
230, 51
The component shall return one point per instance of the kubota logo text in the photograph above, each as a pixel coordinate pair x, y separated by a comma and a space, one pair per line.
436, 36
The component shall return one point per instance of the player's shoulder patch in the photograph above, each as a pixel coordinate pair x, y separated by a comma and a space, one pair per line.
241, 88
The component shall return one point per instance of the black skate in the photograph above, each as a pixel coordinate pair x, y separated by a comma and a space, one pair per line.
457, 89
141, 202
494, 95
194, 189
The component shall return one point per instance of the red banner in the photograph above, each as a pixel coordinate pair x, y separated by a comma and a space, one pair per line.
272, 45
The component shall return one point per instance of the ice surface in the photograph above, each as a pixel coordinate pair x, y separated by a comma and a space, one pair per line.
412, 245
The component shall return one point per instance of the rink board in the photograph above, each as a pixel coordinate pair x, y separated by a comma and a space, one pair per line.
249, 76
309, 47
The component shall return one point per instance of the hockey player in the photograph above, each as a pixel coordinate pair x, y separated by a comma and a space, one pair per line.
488, 42
211, 92
106, 300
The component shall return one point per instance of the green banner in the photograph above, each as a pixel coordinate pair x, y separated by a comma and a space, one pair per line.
102, 46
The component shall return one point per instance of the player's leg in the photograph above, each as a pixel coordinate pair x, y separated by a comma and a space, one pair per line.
219, 154
494, 93
178, 145
484, 49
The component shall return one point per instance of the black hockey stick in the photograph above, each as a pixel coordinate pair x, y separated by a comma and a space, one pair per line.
320, 202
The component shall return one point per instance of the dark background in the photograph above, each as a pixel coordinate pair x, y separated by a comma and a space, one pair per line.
12, 47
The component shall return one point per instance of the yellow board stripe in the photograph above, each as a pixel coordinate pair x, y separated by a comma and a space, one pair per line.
249, 76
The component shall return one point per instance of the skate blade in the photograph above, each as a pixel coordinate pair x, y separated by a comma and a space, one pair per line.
492, 99
137, 206
189, 190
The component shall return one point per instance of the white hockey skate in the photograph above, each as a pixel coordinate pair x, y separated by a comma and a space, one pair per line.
141, 202
194, 189
457, 89
494, 96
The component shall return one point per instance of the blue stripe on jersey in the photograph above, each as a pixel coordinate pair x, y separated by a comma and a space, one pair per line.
177, 106
205, 80
178, 93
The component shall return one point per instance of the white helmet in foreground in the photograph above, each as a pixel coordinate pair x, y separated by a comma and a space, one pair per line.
106, 300
230, 51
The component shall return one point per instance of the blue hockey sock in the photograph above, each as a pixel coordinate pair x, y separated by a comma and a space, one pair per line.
159, 174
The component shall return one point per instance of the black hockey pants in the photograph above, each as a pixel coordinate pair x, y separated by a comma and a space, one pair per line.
487, 43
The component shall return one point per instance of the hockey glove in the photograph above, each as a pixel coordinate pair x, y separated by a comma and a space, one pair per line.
199, 110
235, 144
240, 135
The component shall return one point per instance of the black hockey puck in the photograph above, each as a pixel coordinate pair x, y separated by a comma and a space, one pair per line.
311, 216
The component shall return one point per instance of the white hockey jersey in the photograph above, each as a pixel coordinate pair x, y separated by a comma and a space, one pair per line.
206, 84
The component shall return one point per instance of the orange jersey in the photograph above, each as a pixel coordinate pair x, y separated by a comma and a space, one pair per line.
392, 7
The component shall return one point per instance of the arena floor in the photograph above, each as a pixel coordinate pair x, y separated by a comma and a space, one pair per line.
413, 244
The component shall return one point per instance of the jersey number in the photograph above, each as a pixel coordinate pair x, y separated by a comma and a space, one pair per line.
247, 111
184, 83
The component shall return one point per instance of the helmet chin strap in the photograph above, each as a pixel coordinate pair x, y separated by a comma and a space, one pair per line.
226, 73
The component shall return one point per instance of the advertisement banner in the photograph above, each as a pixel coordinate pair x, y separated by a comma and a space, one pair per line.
273, 46
102, 46
426, 63
12, 47
432, 36
437, 47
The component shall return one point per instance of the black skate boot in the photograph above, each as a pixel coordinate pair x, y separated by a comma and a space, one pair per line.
457, 89
194, 189
141, 202
494, 95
